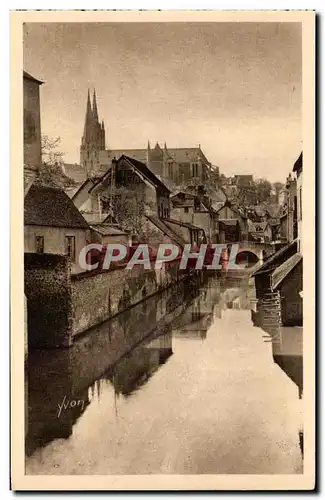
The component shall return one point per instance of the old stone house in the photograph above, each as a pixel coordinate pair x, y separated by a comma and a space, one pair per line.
259, 231
229, 211
53, 224
196, 210
229, 231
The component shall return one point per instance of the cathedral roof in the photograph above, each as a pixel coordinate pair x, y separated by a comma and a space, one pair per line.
179, 155
186, 155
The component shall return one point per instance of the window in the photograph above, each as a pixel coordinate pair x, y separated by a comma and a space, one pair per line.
195, 170
70, 247
186, 210
39, 243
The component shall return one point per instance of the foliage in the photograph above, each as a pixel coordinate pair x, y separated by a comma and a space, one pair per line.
51, 173
128, 208
263, 190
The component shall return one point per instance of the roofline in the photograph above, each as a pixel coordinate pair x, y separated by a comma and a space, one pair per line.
80, 187
160, 183
82, 228
297, 167
184, 224
295, 257
32, 78
264, 269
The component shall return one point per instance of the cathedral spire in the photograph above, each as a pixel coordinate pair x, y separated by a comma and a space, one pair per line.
95, 112
87, 117
148, 147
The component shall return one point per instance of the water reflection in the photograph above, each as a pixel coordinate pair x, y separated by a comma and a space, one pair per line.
166, 388
125, 351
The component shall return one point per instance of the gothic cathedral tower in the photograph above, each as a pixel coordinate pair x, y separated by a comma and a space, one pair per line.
93, 139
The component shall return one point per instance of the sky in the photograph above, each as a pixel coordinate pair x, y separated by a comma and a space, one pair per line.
233, 88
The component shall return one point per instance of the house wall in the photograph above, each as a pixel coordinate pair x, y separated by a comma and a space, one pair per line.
291, 303
122, 239
179, 213
48, 291
203, 220
82, 199
228, 213
54, 241
284, 227
32, 124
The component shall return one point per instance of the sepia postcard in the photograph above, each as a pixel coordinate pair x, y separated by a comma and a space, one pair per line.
162, 204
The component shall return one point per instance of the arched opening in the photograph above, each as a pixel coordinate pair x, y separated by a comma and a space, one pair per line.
246, 258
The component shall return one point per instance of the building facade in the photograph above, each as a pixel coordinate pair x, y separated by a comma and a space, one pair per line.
298, 170
32, 129
53, 225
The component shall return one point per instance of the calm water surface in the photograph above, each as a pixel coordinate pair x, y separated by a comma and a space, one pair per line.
198, 393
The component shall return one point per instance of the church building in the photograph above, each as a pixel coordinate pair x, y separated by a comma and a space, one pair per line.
176, 165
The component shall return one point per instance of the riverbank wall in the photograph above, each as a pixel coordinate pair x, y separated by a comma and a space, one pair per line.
61, 306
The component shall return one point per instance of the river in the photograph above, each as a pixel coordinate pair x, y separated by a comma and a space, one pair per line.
183, 383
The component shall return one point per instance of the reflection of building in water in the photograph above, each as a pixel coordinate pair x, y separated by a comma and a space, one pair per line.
195, 321
134, 369
288, 353
52, 413
77, 373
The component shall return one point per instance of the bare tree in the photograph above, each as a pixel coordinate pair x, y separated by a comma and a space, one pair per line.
128, 207
51, 172
51, 155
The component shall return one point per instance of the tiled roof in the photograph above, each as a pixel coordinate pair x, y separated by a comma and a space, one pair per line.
186, 155
282, 271
179, 155
48, 206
